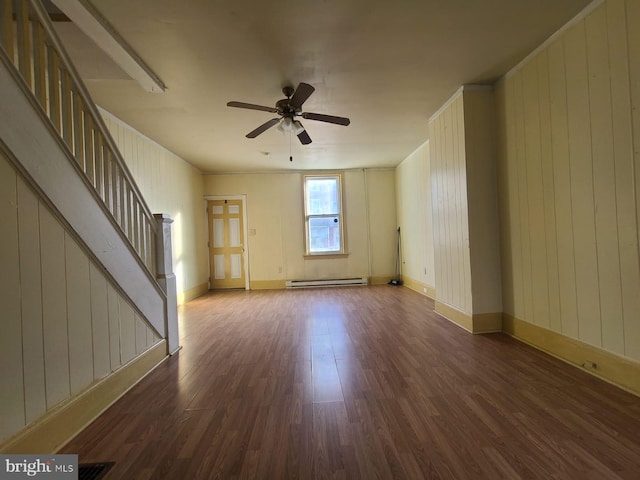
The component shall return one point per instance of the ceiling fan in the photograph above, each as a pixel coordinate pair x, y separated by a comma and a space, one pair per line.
288, 109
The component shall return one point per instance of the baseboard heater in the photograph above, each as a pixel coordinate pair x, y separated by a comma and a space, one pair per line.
336, 282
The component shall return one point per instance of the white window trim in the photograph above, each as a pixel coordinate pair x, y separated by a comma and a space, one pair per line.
340, 215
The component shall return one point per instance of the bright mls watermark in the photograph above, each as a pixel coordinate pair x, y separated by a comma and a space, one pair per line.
52, 467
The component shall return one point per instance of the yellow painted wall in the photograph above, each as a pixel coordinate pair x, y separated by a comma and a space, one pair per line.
275, 213
381, 200
413, 198
569, 176
64, 325
172, 186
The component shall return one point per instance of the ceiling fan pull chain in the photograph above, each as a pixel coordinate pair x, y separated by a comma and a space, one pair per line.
290, 148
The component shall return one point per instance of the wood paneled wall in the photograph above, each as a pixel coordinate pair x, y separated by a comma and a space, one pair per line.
64, 325
464, 201
413, 200
569, 176
449, 204
482, 199
172, 186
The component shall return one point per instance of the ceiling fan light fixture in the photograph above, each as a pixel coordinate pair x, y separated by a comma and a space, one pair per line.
297, 127
286, 125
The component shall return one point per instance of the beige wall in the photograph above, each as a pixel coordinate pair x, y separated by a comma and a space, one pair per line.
381, 201
275, 213
64, 325
569, 173
172, 186
413, 198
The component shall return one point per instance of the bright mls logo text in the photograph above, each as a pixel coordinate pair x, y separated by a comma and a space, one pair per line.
39, 466
30, 468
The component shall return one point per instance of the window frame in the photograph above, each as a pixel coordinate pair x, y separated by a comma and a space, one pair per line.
340, 215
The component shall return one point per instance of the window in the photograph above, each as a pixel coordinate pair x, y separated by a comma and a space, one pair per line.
323, 214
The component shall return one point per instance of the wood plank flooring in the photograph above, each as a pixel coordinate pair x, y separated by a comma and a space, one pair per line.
359, 383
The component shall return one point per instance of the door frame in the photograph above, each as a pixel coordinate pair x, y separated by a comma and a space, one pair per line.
245, 235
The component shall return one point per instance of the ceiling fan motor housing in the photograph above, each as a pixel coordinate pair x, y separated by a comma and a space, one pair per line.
288, 91
285, 108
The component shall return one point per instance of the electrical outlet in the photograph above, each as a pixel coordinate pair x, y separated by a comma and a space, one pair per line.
590, 365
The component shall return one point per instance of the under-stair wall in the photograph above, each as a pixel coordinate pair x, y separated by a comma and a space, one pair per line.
65, 324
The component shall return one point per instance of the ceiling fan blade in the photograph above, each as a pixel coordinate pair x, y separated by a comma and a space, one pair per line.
304, 137
251, 106
301, 94
326, 118
262, 128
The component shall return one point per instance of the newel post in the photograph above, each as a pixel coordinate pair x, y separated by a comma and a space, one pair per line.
167, 279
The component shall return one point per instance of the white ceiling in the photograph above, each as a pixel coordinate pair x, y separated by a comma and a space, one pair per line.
388, 66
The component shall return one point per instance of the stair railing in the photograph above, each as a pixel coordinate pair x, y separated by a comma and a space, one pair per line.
30, 45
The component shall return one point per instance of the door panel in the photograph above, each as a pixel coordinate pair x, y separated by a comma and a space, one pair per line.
226, 248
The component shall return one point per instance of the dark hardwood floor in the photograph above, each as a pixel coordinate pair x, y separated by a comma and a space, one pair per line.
360, 382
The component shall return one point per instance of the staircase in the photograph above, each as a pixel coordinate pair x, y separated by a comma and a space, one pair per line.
53, 136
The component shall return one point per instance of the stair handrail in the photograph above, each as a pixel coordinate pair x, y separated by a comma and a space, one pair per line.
44, 66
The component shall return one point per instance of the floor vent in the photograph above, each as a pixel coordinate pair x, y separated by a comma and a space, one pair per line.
93, 471
336, 282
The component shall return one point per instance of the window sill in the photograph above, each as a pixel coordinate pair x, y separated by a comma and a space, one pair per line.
316, 256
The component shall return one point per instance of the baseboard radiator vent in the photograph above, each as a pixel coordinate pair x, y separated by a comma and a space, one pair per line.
336, 282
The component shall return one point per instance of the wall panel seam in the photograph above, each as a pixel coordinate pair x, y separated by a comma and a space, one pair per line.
544, 210
615, 184
20, 309
92, 314
44, 357
593, 170
635, 146
570, 196
553, 191
66, 304
633, 163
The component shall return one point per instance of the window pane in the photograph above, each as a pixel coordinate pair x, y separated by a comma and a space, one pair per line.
324, 234
322, 196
